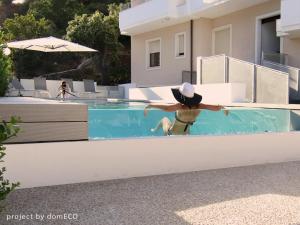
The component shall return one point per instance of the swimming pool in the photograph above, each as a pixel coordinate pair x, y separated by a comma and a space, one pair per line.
111, 120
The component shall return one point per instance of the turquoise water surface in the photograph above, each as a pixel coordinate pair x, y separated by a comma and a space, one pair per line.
108, 121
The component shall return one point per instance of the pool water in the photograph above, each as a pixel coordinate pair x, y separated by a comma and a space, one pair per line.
108, 121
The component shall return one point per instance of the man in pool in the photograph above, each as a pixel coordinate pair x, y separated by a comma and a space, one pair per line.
186, 111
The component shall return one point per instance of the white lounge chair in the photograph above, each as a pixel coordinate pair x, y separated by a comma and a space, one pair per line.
90, 91
40, 85
17, 89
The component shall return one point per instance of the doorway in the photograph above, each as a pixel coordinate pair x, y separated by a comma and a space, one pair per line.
268, 44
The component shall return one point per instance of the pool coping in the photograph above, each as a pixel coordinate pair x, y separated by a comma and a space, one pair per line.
265, 106
235, 104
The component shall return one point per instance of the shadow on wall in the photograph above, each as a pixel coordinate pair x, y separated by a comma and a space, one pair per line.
150, 94
212, 197
295, 120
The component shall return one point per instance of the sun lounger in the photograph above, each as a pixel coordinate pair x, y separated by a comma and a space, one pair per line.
40, 91
90, 91
105, 91
89, 86
16, 84
17, 89
116, 92
40, 85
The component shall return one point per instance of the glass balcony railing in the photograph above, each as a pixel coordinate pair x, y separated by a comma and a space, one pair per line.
279, 58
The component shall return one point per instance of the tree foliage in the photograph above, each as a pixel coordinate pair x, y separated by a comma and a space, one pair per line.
22, 27
27, 26
7, 130
5, 72
5, 2
93, 5
60, 12
5, 68
100, 32
92, 23
8, 9
96, 30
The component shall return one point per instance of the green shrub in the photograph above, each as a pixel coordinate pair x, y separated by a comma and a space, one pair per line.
7, 130
5, 68
5, 73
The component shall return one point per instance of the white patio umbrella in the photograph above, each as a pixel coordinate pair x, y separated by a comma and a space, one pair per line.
49, 44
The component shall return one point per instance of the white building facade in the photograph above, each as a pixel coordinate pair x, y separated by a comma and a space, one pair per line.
167, 36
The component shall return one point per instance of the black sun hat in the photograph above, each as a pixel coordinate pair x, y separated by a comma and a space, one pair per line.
186, 95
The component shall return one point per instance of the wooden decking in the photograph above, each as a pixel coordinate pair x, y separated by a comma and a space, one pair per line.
46, 120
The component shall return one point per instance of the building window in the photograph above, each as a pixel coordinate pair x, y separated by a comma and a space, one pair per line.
153, 53
222, 40
155, 59
180, 45
180, 2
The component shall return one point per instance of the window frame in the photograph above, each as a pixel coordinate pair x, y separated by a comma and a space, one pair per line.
221, 28
147, 44
177, 56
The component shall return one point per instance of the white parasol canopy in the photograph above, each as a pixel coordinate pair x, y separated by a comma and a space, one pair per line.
49, 44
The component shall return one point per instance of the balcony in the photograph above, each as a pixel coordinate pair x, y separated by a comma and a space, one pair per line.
279, 29
134, 19
133, 3
146, 15
290, 18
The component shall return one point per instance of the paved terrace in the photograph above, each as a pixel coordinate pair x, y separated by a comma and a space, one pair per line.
256, 195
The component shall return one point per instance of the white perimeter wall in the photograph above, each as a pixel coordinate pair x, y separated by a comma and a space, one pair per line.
73, 162
211, 93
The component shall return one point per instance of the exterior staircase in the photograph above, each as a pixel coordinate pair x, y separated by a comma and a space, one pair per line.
268, 83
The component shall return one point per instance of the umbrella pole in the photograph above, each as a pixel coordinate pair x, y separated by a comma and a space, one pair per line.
18, 76
19, 94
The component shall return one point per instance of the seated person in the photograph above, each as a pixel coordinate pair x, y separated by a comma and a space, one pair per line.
63, 90
186, 111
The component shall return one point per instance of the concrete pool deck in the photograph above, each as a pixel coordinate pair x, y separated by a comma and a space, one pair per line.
266, 194
45, 120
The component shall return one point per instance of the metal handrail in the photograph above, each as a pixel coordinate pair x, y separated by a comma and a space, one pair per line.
280, 58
